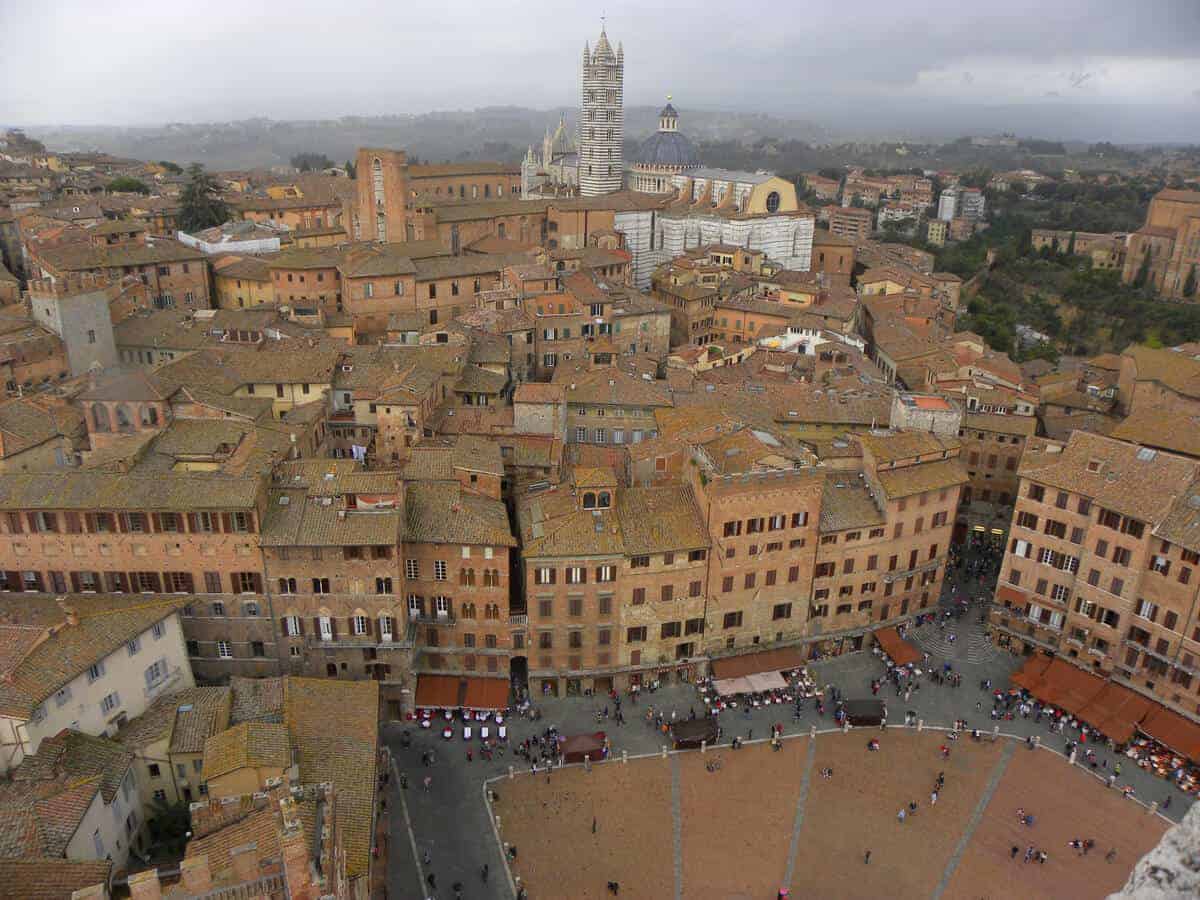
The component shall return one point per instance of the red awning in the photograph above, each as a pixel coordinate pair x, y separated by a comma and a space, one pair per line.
438, 691
1173, 730
780, 660
899, 651
1116, 710
1029, 676
1067, 687
453, 692
486, 693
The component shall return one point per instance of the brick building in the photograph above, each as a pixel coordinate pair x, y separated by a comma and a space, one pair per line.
1101, 564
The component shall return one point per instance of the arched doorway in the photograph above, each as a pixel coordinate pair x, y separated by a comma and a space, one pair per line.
518, 674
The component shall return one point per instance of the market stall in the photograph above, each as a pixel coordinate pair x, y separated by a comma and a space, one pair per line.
864, 712
573, 748
688, 734
1115, 712
899, 651
783, 659
1029, 676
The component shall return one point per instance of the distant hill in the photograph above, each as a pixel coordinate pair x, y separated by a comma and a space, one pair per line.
501, 133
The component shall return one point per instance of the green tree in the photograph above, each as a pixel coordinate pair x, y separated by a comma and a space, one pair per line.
1189, 283
311, 162
127, 185
171, 167
201, 204
1071, 245
351, 169
1143, 272
169, 826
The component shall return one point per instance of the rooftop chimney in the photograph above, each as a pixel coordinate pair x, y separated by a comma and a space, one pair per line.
196, 875
145, 885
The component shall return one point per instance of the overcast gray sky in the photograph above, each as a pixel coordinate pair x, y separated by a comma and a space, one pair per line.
1134, 63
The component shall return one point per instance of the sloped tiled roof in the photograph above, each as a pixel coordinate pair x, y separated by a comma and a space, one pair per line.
104, 625
658, 519
1120, 476
334, 726
72, 756
185, 719
921, 478
256, 699
247, 744
846, 503
43, 878
441, 512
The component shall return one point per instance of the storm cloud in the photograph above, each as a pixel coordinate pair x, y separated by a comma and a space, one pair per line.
862, 65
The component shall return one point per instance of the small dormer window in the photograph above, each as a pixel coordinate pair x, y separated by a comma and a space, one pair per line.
589, 500
605, 500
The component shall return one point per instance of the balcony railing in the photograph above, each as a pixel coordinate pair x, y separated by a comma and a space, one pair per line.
519, 619
358, 641
161, 685
433, 618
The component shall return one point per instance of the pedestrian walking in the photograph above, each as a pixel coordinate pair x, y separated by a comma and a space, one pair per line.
431, 880
867, 858
1012, 854
483, 873
933, 798
426, 859
901, 816
428, 781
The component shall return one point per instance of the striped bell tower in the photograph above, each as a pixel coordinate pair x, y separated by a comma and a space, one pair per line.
602, 119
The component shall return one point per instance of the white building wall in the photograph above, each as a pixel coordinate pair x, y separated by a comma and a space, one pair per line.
102, 833
656, 238
78, 704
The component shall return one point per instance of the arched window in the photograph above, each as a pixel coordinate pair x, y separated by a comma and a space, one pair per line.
589, 500
466, 576
773, 202
605, 500
100, 421
124, 420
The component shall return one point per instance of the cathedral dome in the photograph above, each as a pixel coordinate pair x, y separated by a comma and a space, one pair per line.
667, 148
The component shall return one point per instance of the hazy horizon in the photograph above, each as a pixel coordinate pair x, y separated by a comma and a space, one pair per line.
1079, 70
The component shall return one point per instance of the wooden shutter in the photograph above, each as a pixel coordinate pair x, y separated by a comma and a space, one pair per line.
316, 626
378, 630
333, 626
73, 523
226, 523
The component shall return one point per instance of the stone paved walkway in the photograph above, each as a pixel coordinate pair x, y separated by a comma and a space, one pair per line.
677, 826
976, 817
801, 799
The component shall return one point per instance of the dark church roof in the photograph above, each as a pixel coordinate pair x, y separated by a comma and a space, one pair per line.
667, 148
